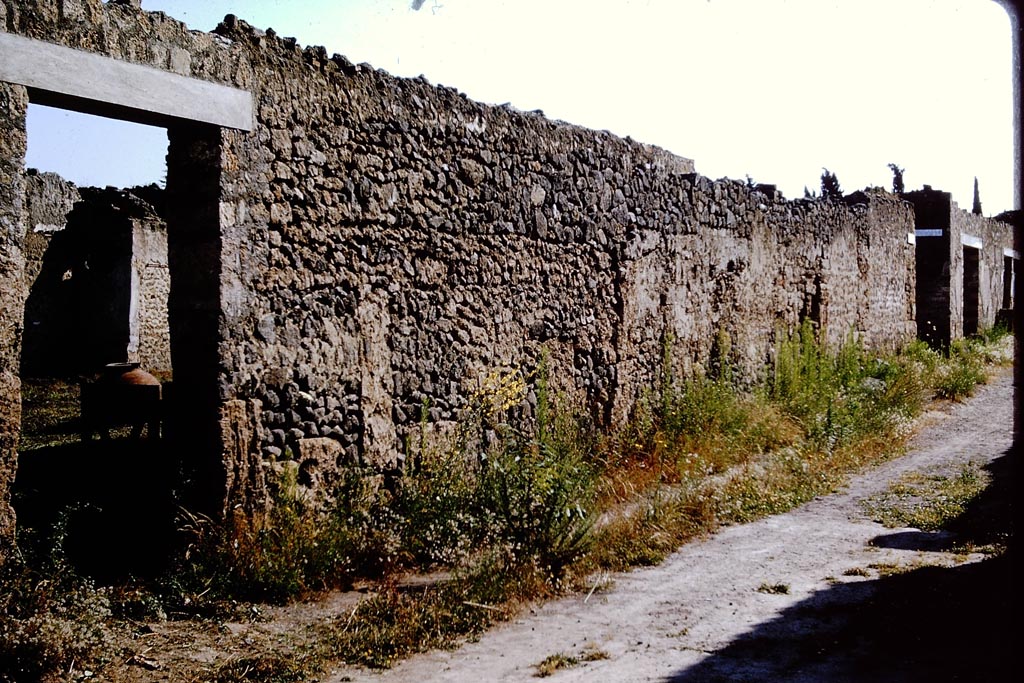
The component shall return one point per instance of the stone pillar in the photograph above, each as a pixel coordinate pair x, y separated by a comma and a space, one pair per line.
215, 428
149, 266
13, 106
194, 260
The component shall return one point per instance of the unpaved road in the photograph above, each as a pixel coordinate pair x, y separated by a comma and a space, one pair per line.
700, 616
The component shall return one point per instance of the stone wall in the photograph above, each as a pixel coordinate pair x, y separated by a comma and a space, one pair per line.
411, 241
749, 264
944, 231
149, 337
48, 201
377, 244
13, 106
995, 237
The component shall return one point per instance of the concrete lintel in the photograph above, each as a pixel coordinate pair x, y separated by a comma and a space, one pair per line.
86, 81
911, 238
971, 241
928, 232
1012, 253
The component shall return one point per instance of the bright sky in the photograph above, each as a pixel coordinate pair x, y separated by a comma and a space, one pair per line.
776, 89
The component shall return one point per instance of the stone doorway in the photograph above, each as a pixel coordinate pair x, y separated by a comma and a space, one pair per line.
972, 285
96, 283
182, 467
1008, 278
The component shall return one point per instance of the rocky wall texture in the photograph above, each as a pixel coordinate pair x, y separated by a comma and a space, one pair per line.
411, 242
746, 265
13, 106
48, 201
380, 245
151, 286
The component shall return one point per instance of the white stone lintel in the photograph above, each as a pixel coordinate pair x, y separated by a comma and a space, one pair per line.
81, 80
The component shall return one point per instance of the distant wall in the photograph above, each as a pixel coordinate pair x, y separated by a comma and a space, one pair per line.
48, 201
944, 231
149, 342
377, 244
97, 280
751, 265
995, 237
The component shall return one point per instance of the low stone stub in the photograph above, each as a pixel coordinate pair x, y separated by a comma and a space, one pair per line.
245, 482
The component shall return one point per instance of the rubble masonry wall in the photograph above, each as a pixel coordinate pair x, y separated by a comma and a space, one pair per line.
382, 243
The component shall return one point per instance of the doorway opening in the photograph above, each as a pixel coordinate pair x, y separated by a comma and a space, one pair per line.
972, 285
1008, 276
98, 481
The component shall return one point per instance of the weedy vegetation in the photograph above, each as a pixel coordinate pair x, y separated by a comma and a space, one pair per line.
51, 620
928, 501
555, 662
774, 588
50, 412
560, 660
526, 499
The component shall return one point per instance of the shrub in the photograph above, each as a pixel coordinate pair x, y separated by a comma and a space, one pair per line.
436, 509
963, 371
839, 396
538, 501
49, 622
994, 334
534, 491
802, 378
530, 495
295, 549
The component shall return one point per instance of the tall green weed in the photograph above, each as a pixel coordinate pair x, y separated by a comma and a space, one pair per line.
842, 394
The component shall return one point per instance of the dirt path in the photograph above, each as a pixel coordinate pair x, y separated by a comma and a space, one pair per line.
700, 616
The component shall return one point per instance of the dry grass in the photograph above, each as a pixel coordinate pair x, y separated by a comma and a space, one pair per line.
928, 501
774, 588
50, 413
560, 660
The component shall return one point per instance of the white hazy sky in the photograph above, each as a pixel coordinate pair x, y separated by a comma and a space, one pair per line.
776, 89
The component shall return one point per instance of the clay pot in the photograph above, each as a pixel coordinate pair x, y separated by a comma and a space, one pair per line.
124, 394
128, 374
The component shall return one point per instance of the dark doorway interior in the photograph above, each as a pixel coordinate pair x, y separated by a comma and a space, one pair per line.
933, 291
1007, 282
972, 285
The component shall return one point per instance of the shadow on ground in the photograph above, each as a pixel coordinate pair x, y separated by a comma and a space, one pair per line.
928, 624
107, 506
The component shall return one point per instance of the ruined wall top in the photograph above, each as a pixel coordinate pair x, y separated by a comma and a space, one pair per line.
378, 244
236, 54
48, 200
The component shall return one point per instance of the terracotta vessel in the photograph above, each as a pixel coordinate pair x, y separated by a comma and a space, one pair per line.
128, 374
